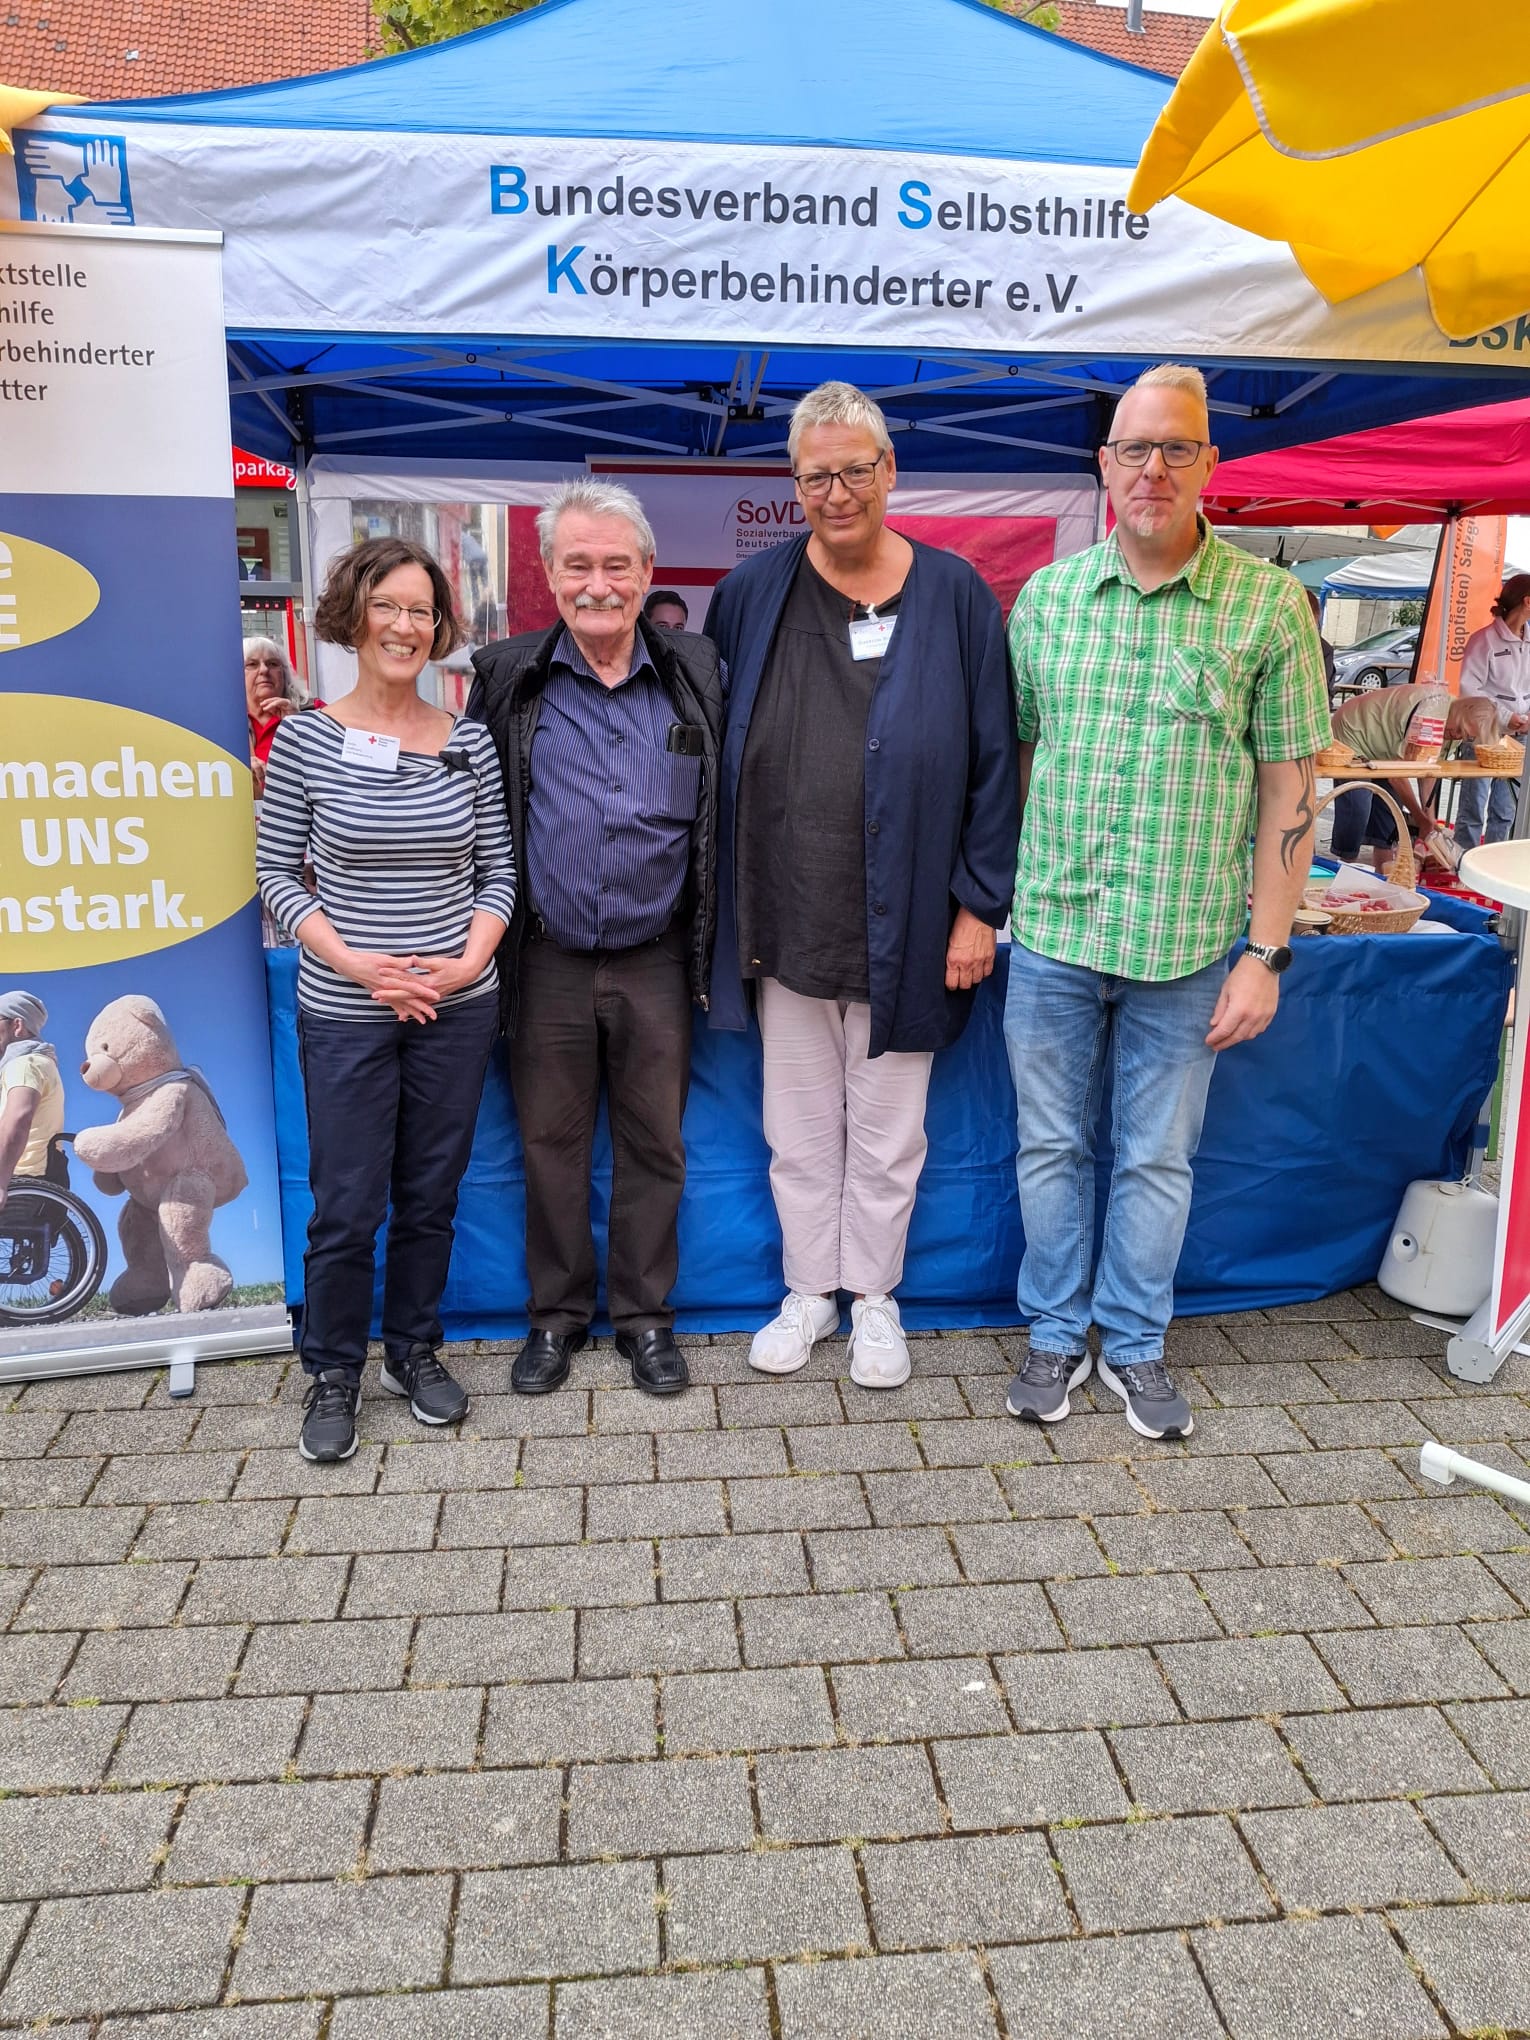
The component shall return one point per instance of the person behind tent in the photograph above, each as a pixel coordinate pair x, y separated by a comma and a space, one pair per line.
1495, 666
270, 693
31, 1092
1409, 722
667, 609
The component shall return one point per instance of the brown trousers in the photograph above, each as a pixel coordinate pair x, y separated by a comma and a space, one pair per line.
625, 1015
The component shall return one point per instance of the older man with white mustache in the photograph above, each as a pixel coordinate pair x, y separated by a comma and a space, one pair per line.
607, 733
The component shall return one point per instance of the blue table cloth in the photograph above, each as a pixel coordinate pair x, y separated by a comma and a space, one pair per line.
1372, 1074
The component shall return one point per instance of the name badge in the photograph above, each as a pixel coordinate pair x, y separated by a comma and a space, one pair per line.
366, 747
869, 636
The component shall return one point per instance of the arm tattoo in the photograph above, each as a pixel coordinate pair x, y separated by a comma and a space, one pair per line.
1293, 841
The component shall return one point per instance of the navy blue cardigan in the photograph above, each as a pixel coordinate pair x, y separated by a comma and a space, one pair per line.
942, 787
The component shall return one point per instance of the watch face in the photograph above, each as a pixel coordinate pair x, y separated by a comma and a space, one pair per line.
1278, 958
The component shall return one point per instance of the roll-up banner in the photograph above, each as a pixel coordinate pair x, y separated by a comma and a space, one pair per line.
140, 1218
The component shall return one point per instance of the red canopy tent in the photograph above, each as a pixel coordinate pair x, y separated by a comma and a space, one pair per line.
1466, 463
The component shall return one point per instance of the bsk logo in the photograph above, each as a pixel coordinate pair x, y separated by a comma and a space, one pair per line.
75, 180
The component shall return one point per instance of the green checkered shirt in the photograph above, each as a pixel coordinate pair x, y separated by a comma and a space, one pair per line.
1149, 713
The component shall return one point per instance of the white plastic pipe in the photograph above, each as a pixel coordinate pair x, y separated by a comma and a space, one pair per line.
1439, 1463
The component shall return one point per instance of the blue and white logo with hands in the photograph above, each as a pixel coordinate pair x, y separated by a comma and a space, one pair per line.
77, 180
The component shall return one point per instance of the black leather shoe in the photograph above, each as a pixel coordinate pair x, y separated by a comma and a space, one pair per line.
543, 1362
658, 1365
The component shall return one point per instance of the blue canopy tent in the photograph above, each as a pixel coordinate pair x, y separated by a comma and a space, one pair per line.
607, 227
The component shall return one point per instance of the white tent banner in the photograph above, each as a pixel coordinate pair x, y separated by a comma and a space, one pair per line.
333, 231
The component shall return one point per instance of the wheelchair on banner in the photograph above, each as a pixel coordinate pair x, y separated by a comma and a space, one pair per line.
52, 1247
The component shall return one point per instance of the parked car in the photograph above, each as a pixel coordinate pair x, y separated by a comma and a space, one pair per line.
1384, 660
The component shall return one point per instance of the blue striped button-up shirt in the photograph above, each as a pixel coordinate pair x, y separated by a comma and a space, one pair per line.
609, 819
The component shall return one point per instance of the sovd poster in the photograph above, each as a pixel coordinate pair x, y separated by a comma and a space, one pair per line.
137, 1143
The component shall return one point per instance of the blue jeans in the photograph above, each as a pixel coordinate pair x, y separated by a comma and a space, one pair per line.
1063, 1025
1472, 804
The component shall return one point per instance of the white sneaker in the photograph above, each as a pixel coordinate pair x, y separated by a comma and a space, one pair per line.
782, 1346
878, 1349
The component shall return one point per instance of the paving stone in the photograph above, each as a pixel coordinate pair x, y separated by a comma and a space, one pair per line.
1400, 1334
208, 1741
265, 1590
881, 1558
721, 1455
898, 1997
713, 1711
214, 1530
67, 1536
962, 1495
1379, 1380
1512, 1567
1438, 1528
1221, 1432
1377, 1666
425, 1583
588, 1918
1243, 1382
1506, 1646
155, 1664
990, 1888
1328, 1533
52, 1746
1208, 1767
580, 1576
683, 1636
232, 1381
518, 2012
741, 1404
102, 1431
475, 1820
227, 2022
104, 1596
1488, 1834
14, 1581
1248, 1675
836, 1628
1145, 1985
829, 1795
853, 1448
53, 1483
1072, 1491
1158, 1873
1339, 1476
316, 1939
757, 1906
1086, 1689
27, 1436
1362, 1423
905, 1702
1283, 1597
711, 1568
32, 1665
58, 1847
712, 2007
549, 1724
965, 1353
485, 1650
1380, 1753
268, 1833
122, 1953
922, 1399
1498, 1735
798, 1502
268, 1475
1288, 1339
391, 1731
1322, 1858
976, 1441
1190, 1541
1029, 1780
582, 1462
1311, 1979
435, 1469
13, 1924
517, 1516
163, 1477
1208, 1483
1132, 1608
325, 1657
514, 1417
118, 1391
255, 1428
659, 1509
677, 1806
347, 1523
943, 1621
1474, 1957
1100, 1434
1474, 1419
1027, 1551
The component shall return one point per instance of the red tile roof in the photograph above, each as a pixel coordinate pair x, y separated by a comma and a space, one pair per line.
139, 49
1165, 44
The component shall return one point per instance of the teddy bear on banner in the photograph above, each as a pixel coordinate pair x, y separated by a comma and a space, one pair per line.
169, 1150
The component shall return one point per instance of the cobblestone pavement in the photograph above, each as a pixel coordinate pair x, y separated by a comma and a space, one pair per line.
778, 1709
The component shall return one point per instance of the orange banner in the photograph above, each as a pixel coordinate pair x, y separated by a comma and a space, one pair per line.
1467, 577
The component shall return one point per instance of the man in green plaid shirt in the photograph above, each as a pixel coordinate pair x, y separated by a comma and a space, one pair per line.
1169, 697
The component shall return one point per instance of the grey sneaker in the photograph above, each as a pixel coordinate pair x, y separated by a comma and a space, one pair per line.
1154, 1406
1039, 1392
329, 1419
434, 1397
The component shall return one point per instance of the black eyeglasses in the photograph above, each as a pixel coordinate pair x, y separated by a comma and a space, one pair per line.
858, 479
1177, 453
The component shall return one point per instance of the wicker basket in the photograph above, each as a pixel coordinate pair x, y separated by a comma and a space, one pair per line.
1333, 757
1504, 756
1404, 872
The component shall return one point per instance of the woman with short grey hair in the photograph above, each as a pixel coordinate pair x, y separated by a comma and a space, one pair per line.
271, 691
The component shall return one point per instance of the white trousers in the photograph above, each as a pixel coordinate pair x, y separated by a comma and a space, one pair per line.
846, 1142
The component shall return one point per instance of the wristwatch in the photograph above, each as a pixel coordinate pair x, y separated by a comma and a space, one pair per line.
1274, 956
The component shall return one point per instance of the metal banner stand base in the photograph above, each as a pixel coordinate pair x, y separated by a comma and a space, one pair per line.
1471, 1354
1439, 1463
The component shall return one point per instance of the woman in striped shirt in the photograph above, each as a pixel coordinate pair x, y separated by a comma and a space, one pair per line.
399, 808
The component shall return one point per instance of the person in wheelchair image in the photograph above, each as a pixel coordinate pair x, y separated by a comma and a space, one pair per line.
52, 1247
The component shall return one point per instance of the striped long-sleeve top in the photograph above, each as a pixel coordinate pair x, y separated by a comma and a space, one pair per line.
403, 859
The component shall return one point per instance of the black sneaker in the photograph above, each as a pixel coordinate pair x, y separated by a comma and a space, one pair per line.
1039, 1392
1154, 1406
433, 1396
329, 1419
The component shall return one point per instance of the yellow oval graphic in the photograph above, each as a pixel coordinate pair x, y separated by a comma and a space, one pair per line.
43, 593
120, 833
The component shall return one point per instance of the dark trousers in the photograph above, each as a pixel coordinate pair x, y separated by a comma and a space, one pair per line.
624, 1014
1359, 818
391, 1111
